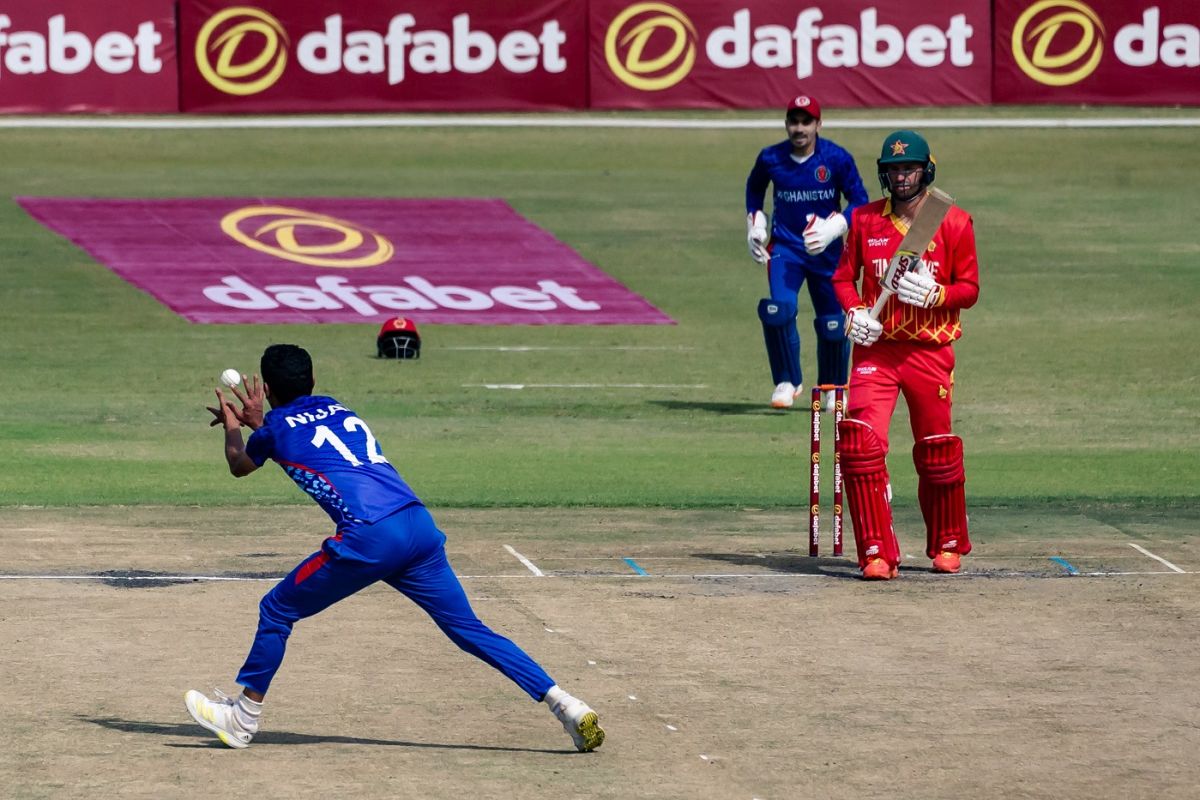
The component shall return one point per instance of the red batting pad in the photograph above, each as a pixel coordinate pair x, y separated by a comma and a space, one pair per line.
864, 470
942, 494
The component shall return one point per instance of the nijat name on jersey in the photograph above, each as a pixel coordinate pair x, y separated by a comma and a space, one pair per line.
305, 417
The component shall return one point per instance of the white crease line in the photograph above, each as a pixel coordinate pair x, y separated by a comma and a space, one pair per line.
623, 576
132, 578
529, 564
585, 386
1159, 559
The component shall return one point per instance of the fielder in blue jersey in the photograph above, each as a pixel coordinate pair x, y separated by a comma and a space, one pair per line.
811, 177
383, 532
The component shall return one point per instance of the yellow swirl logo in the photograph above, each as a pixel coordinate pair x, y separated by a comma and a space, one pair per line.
250, 30
327, 241
1058, 42
650, 46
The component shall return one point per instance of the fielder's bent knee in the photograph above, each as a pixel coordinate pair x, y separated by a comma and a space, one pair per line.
272, 617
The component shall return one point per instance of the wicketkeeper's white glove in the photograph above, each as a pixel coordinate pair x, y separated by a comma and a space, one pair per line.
919, 289
861, 329
820, 231
757, 236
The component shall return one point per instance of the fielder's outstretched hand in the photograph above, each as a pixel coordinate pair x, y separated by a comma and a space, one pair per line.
251, 412
861, 328
224, 414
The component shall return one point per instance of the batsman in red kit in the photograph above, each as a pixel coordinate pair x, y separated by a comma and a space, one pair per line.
908, 349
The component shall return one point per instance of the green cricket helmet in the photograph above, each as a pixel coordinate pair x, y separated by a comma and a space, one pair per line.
905, 146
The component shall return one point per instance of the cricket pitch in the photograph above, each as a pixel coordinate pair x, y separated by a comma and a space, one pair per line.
735, 667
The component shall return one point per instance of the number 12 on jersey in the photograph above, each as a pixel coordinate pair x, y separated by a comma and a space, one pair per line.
325, 435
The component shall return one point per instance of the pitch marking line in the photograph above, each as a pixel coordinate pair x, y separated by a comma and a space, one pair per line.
634, 566
585, 386
1067, 565
529, 564
1159, 559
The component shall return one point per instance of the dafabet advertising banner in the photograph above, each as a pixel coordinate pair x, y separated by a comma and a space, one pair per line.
323, 259
736, 54
436, 55
312, 56
1097, 51
66, 55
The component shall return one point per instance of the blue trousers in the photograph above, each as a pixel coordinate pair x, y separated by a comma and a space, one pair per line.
407, 551
786, 275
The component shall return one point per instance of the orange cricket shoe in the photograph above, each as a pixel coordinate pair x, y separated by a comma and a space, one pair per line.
947, 562
879, 570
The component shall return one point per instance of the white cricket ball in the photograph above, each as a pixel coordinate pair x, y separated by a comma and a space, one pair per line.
231, 378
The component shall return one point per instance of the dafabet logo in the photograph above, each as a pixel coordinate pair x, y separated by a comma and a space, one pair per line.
628, 40
244, 50
317, 240
651, 46
241, 50
1058, 42
1062, 42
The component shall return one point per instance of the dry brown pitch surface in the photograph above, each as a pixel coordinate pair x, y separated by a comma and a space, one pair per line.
736, 669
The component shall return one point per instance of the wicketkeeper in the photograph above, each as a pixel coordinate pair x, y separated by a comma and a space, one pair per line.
811, 176
910, 350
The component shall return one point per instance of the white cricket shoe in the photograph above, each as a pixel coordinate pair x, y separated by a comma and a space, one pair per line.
785, 395
220, 716
580, 721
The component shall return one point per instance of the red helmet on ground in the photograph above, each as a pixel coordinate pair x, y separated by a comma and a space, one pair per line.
398, 338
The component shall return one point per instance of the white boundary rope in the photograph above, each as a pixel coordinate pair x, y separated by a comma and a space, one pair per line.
575, 121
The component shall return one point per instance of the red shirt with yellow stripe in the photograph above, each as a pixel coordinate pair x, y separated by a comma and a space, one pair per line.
950, 259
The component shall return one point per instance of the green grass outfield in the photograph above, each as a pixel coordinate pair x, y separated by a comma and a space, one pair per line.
1077, 376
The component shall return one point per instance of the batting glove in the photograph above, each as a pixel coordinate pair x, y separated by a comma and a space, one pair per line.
757, 236
821, 231
861, 329
919, 289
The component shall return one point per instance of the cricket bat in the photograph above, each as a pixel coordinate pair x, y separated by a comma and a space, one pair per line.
914, 243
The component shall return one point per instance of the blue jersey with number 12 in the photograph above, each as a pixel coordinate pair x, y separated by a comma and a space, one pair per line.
332, 455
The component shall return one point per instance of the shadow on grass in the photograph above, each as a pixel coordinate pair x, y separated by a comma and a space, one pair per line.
795, 564
752, 409
193, 731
